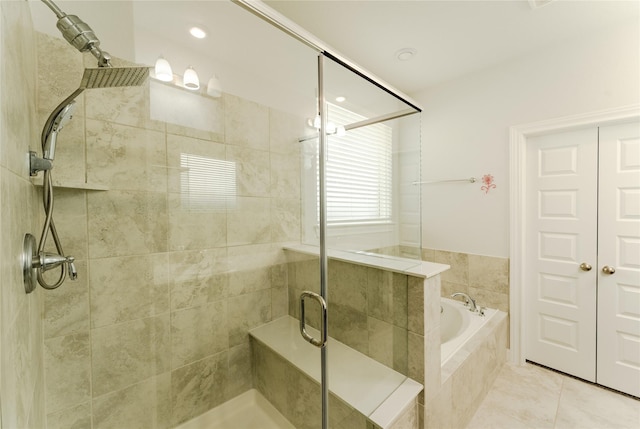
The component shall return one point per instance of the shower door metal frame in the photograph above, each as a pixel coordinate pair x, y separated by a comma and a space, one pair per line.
279, 21
324, 267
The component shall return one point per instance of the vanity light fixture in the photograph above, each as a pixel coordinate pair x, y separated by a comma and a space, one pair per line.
163, 70
332, 129
190, 79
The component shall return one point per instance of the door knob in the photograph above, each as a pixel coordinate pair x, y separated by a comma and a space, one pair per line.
585, 267
608, 270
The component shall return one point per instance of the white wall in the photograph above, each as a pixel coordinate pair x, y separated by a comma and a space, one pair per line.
465, 129
112, 22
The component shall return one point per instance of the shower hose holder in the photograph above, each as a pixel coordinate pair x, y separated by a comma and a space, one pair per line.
37, 164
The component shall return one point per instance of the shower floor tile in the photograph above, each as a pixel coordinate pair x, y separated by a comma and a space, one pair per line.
247, 411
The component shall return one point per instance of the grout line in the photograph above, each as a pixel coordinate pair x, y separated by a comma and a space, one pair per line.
555, 418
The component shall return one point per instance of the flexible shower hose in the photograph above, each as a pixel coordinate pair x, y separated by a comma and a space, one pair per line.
49, 225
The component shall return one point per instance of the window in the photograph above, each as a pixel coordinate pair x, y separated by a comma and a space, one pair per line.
359, 171
207, 184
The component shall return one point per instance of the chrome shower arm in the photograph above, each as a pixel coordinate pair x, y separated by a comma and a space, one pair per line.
54, 7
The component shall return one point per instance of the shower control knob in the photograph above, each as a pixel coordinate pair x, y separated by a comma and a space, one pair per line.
608, 270
73, 273
585, 267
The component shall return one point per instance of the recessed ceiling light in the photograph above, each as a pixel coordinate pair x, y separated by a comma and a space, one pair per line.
341, 99
198, 32
405, 54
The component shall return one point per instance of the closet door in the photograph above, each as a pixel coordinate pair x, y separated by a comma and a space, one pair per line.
618, 359
560, 289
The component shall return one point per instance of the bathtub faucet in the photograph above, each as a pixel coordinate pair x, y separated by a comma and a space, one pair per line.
469, 301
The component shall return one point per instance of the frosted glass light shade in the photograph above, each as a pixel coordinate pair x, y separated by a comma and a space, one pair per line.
214, 89
163, 70
190, 79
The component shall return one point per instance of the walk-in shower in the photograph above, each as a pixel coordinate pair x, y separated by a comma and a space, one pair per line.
35, 261
186, 214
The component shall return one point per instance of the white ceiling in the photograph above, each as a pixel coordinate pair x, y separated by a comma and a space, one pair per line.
451, 37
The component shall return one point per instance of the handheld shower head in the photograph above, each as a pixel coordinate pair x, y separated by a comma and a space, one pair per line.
61, 119
65, 115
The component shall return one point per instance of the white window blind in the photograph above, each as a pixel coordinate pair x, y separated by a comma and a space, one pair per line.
359, 171
207, 184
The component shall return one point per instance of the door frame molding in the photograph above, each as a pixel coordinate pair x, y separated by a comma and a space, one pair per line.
518, 135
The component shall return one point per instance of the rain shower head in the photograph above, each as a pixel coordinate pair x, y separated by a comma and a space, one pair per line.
101, 77
112, 77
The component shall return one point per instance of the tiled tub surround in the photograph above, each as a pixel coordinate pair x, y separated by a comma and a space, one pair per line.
458, 325
154, 331
468, 374
484, 278
364, 393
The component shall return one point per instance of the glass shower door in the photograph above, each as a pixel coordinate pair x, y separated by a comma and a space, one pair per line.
367, 205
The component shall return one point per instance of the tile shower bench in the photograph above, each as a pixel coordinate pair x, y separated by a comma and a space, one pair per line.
364, 391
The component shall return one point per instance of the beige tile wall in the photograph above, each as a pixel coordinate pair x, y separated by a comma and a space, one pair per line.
21, 348
368, 311
484, 278
154, 332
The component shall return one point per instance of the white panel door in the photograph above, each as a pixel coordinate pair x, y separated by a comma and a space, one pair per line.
561, 224
618, 358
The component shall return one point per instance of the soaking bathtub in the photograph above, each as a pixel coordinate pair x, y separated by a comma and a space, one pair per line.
473, 350
458, 325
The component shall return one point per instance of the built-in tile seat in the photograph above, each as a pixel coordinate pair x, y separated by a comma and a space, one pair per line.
287, 372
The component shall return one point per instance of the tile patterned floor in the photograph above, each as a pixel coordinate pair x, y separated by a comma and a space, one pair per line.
533, 397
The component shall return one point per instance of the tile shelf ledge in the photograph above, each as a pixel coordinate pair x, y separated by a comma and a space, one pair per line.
37, 181
396, 264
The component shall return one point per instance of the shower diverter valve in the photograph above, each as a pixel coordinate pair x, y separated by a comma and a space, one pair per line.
33, 263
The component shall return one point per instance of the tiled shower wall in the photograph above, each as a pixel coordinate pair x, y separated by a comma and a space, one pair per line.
154, 332
21, 365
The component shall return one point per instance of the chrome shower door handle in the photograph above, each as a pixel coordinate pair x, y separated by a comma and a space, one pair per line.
323, 319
